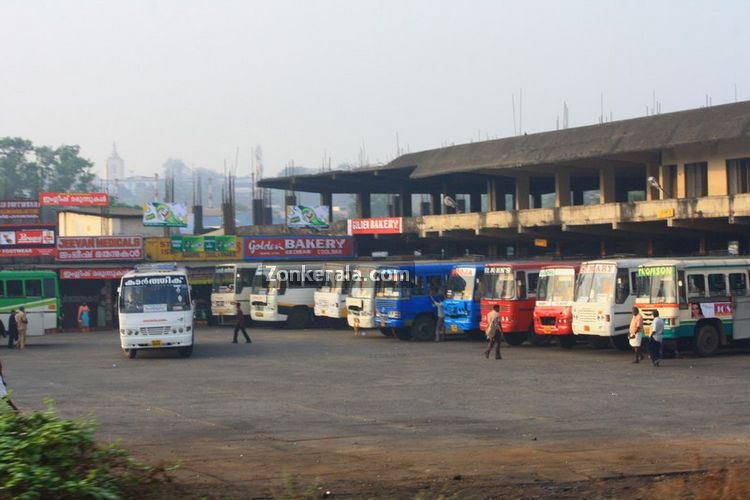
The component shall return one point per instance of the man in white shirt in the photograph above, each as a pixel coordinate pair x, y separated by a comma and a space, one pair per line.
4, 391
657, 336
493, 332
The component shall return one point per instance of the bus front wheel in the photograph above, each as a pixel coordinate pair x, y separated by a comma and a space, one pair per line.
598, 342
186, 352
539, 340
131, 353
298, 318
621, 342
566, 341
388, 332
706, 340
423, 328
515, 338
402, 333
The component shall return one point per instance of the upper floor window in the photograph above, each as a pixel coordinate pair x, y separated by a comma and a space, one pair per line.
696, 179
738, 180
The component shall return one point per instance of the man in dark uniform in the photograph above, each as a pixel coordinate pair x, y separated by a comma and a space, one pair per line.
240, 326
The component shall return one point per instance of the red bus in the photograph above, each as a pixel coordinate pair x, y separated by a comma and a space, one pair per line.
512, 285
553, 312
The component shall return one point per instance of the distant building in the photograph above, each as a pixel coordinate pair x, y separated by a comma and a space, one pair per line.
115, 166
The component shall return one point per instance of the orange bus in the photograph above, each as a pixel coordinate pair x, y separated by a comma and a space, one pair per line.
555, 294
513, 286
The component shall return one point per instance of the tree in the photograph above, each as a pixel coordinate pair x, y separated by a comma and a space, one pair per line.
25, 169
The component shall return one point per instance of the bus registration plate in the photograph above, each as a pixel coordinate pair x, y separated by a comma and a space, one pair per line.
547, 329
155, 343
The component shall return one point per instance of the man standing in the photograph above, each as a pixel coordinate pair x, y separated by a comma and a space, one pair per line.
635, 334
4, 390
493, 332
22, 324
240, 325
657, 335
440, 326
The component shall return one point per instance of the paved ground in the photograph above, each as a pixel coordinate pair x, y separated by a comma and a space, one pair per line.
375, 416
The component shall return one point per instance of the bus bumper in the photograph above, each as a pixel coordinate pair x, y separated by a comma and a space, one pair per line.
156, 342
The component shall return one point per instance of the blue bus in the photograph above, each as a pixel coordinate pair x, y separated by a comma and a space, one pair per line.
462, 296
403, 298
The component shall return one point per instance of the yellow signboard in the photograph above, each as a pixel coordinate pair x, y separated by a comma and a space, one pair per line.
665, 213
161, 249
539, 242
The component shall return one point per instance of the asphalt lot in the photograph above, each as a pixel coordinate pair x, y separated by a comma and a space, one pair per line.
369, 412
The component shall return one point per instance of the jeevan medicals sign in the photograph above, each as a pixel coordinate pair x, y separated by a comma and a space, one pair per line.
298, 247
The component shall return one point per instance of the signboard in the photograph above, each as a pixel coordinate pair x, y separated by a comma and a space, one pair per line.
665, 213
99, 248
93, 274
376, 225
161, 214
32, 240
298, 247
19, 209
598, 268
74, 199
733, 247
539, 242
194, 248
301, 216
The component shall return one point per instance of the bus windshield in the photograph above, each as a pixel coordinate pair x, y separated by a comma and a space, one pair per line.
461, 283
260, 282
499, 283
556, 285
362, 287
223, 279
153, 294
656, 285
596, 283
391, 286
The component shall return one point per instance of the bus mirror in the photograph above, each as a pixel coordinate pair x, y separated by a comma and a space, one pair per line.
679, 283
118, 290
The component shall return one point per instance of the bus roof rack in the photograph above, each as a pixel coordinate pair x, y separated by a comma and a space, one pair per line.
157, 266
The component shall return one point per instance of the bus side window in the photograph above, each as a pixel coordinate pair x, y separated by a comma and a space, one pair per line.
696, 285
737, 284
434, 285
15, 288
49, 287
33, 288
2, 288
533, 281
520, 284
717, 285
622, 287
681, 289
418, 285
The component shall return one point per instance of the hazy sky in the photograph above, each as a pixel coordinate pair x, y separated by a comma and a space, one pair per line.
197, 79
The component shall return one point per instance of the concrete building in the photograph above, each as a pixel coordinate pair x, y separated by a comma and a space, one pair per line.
675, 183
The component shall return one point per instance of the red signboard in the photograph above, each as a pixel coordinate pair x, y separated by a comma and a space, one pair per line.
298, 247
377, 225
19, 209
26, 252
92, 274
27, 240
100, 248
74, 199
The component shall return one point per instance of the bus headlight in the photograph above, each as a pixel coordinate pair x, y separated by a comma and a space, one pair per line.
122, 331
188, 328
180, 330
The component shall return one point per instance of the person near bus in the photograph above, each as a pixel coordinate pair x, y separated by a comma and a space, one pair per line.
84, 317
4, 391
657, 336
22, 324
240, 326
12, 329
635, 334
493, 332
440, 325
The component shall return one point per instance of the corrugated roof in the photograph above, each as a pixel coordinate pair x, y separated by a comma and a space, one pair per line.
651, 133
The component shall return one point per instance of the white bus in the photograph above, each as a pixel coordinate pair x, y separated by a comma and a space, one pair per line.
604, 300
232, 285
701, 300
155, 310
330, 298
360, 302
285, 293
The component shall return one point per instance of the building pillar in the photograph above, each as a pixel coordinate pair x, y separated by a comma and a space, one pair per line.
522, 192
562, 188
405, 204
652, 193
363, 205
326, 199
492, 197
606, 186
436, 202
475, 202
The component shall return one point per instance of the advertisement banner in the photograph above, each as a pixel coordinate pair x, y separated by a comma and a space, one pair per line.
74, 199
298, 247
99, 248
27, 240
27, 252
301, 216
19, 209
93, 274
160, 214
376, 225
194, 248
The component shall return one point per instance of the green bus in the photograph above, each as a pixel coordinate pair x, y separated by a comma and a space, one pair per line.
38, 292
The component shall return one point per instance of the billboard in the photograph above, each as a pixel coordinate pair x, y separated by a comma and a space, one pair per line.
301, 216
74, 199
161, 214
27, 240
99, 248
376, 225
19, 209
298, 247
194, 248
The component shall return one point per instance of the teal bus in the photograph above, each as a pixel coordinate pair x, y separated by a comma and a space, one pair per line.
38, 292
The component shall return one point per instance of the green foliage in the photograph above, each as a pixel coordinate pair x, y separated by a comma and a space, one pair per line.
26, 169
44, 456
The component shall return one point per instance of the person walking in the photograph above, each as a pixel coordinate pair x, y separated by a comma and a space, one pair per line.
440, 325
84, 317
240, 326
494, 332
657, 336
22, 324
4, 391
635, 334
12, 329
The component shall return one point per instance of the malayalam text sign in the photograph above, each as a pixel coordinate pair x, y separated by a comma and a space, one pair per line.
99, 248
298, 247
93, 274
74, 199
19, 209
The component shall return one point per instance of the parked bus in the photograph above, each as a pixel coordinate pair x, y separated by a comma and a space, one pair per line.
285, 293
553, 310
360, 302
330, 298
604, 300
513, 286
462, 300
155, 309
696, 298
403, 298
232, 286
38, 292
